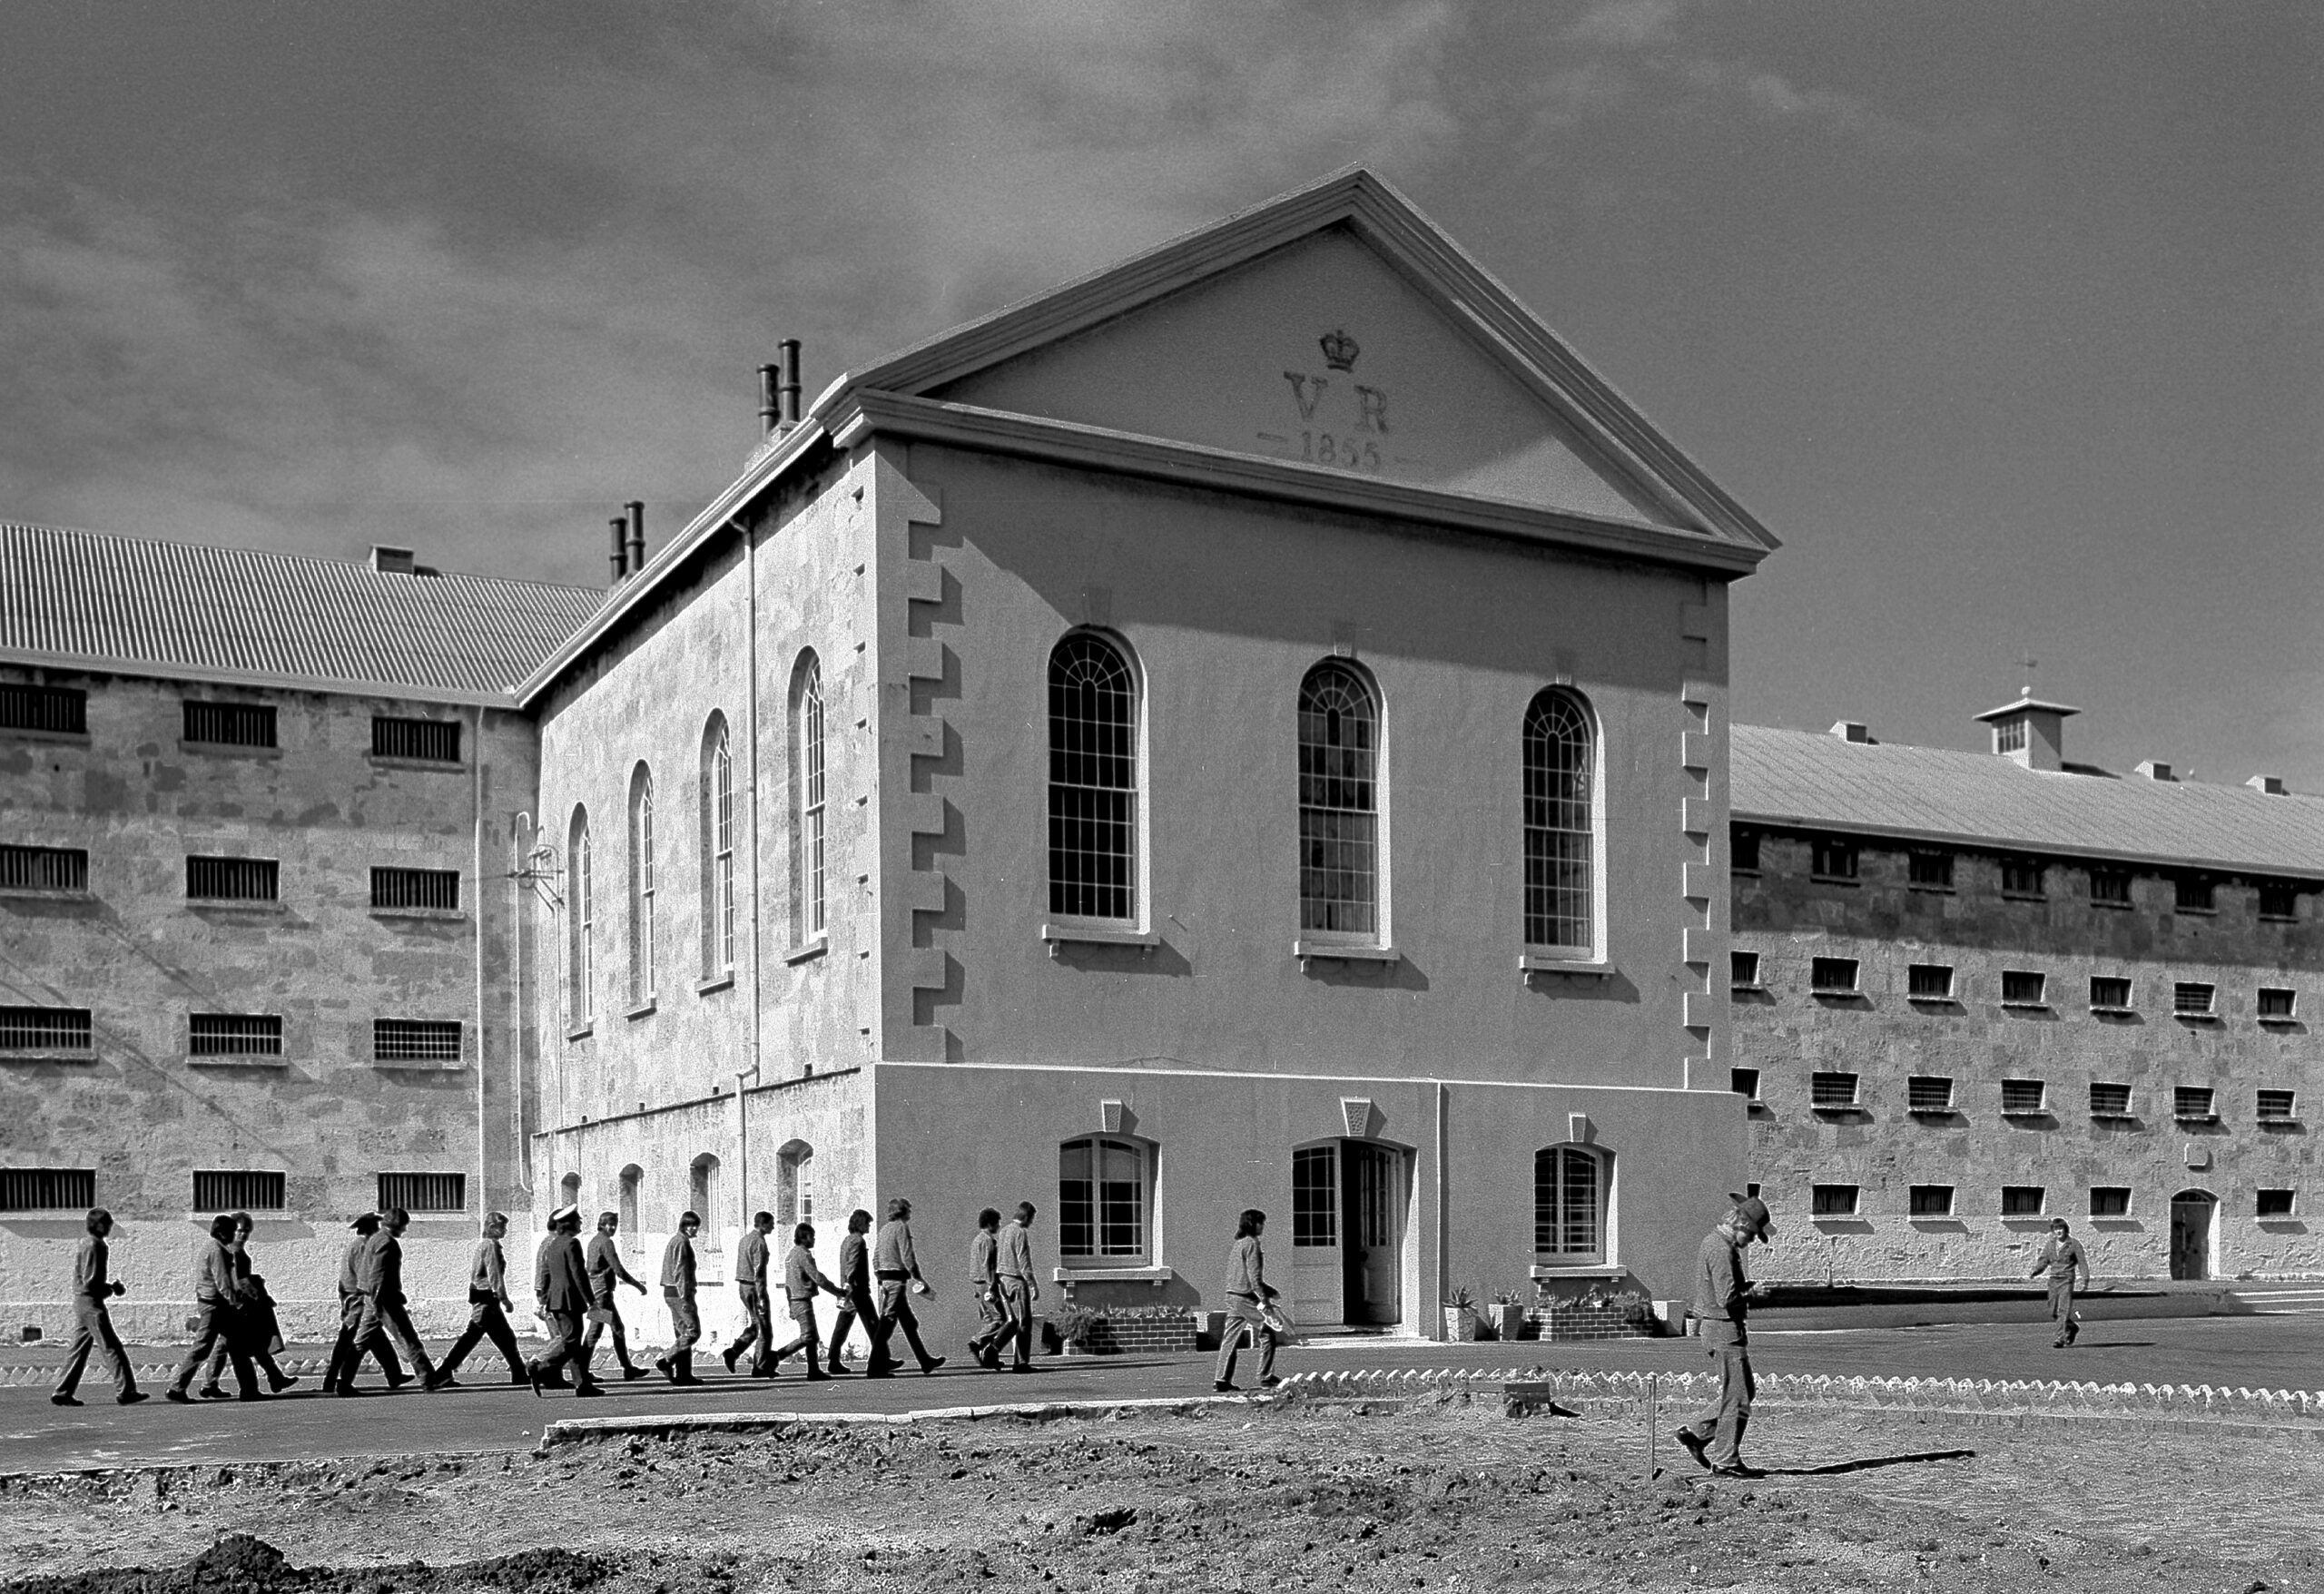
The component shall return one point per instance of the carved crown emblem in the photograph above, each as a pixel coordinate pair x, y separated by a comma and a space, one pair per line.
1339, 350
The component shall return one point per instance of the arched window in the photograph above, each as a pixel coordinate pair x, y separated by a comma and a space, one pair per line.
1569, 1205
1561, 855
794, 1196
1093, 780
717, 783
581, 956
1339, 814
633, 1180
1101, 1199
569, 1187
641, 885
806, 800
701, 1192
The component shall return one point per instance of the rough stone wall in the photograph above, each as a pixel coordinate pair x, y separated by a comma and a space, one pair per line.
1787, 1033
143, 1112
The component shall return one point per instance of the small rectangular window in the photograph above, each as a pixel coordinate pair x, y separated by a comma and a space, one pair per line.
416, 888
230, 724
233, 880
2275, 1002
2023, 1097
1743, 850
1832, 1200
1831, 1090
2021, 1200
2279, 899
2109, 1101
1932, 871
2110, 888
45, 1030
2275, 1106
239, 1190
44, 869
2108, 994
424, 1192
2275, 1203
2021, 877
1928, 1093
235, 1035
1832, 975
47, 1189
1744, 1082
2191, 1104
2009, 736
1743, 970
1931, 1200
2193, 893
1929, 983
2109, 1201
61, 710
415, 1041
1834, 858
2191, 998
421, 741
2022, 988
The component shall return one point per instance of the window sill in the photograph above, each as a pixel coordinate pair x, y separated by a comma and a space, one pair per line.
1934, 1002
420, 1065
1344, 952
2114, 907
2277, 1123
27, 733
1752, 988
1833, 880
1932, 890
436, 765
1095, 1275
2278, 1021
228, 750
34, 894
442, 913
1836, 1107
234, 905
2113, 1117
643, 1009
1059, 935
2196, 1017
50, 1056
2025, 897
1946, 1111
1580, 965
2026, 1007
2113, 1012
1541, 1271
807, 953
250, 1059
581, 1032
2279, 919
714, 983
2198, 912
2025, 1112
2194, 1118
1834, 994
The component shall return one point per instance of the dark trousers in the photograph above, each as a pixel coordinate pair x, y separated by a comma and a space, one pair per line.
858, 1306
2061, 1311
566, 1345
216, 1326
803, 1318
895, 1313
347, 1356
604, 1315
759, 1336
685, 1332
486, 1320
92, 1327
1017, 1306
384, 1314
993, 1327
1727, 1415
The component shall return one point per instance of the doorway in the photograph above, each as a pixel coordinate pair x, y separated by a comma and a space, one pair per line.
2192, 1215
1348, 1200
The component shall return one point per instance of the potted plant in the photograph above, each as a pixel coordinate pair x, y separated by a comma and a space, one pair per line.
1075, 1326
1460, 1315
1507, 1315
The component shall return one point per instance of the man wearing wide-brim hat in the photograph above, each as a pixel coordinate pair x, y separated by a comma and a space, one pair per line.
1722, 1301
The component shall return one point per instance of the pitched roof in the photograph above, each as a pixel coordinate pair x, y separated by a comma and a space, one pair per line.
77, 598
1817, 781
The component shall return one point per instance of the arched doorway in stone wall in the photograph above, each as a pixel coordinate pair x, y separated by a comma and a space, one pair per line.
2194, 1228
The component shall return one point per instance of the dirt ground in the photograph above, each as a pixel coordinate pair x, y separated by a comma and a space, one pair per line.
1297, 1496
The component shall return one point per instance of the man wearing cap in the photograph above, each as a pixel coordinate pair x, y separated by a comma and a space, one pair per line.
677, 1294
561, 1285
750, 1283
606, 1271
2062, 1258
1722, 1301
91, 1323
346, 1356
488, 1308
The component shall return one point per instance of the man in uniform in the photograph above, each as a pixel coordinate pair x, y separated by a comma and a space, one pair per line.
379, 1275
896, 1270
1722, 1301
984, 1284
489, 1309
606, 1271
801, 1279
561, 1286
346, 1357
677, 1294
1013, 1272
91, 1323
217, 1288
2062, 1258
751, 1260
856, 1303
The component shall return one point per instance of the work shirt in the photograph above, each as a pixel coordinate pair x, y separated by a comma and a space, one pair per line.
891, 1253
351, 1266
1014, 1252
489, 1274
750, 1262
380, 1272
854, 1261
561, 1279
677, 1268
213, 1276
1721, 1291
802, 1278
2063, 1260
605, 1268
1247, 1269
984, 1251
89, 1270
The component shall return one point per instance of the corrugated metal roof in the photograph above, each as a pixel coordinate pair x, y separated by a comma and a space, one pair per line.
1812, 780
188, 607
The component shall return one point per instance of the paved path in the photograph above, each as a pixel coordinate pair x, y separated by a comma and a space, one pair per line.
2258, 1352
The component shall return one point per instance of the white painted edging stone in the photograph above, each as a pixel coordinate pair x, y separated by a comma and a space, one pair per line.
683, 1423
101, 1372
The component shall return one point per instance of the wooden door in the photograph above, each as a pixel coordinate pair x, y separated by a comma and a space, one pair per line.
1371, 1225
2190, 1234
1317, 1294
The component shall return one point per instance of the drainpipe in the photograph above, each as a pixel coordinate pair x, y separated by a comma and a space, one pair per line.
520, 824
1443, 1227
758, 907
475, 854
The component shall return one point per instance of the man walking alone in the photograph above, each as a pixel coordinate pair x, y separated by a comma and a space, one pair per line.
2062, 1258
91, 1323
1722, 1301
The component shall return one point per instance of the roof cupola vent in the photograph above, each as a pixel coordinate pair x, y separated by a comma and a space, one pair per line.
1854, 731
392, 561
2269, 786
2030, 731
2154, 769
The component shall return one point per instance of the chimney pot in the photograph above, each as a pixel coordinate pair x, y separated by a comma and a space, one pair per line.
621, 548
1853, 731
2273, 785
636, 535
770, 399
2156, 770
788, 351
395, 561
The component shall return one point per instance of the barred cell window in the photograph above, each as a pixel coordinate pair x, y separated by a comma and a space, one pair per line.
2191, 998
235, 1035
230, 724
2109, 1201
2110, 888
1832, 975
1561, 855
807, 807
2110, 994
1932, 871
421, 741
1928, 1093
1093, 780
62, 711
2023, 988
1743, 970
237, 1190
1743, 850
416, 888
2192, 893
47, 1189
1101, 1200
424, 1192
2109, 1101
45, 1030
1832, 1200
2023, 1097
2274, 1204
415, 1041
2022, 1200
2193, 1103
1929, 983
1569, 1205
1831, 1090
1744, 1082
1339, 814
2275, 1106
2021, 877
2275, 1001
1930, 1200
44, 869
1831, 858
1315, 1196
2279, 899
233, 880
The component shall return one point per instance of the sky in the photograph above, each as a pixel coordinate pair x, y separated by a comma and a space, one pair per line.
2007, 319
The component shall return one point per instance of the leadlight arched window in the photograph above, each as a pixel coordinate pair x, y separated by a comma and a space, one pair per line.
1339, 814
641, 885
1569, 1205
1561, 852
581, 957
1093, 780
717, 783
1101, 1199
806, 800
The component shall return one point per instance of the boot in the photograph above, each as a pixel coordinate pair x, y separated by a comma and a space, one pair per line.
684, 1365
816, 1374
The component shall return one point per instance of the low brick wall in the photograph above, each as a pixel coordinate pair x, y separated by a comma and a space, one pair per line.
1564, 1322
1163, 1335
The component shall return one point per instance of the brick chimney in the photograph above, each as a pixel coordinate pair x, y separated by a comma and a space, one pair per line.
2030, 731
